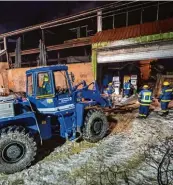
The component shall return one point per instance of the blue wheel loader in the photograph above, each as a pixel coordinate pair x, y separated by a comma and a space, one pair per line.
53, 106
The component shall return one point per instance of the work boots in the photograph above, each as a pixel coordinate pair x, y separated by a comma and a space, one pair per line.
164, 114
141, 117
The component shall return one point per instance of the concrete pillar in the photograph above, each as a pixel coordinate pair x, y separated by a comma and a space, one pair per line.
18, 59
5, 47
99, 21
43, 36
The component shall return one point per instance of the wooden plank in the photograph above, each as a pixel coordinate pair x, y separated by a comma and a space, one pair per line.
55, 47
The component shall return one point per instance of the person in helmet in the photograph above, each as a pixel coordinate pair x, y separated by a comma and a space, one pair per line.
105, 83
110, 89
128, 87
165, 97
145, 99
46, 85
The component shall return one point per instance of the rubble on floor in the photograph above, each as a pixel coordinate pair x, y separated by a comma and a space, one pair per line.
119, 157
120, 101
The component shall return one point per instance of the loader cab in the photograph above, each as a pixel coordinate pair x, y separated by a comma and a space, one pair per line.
49, 88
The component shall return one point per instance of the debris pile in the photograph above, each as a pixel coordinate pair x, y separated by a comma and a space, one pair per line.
123, 152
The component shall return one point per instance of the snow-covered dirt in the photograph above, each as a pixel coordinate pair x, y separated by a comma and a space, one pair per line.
82, 163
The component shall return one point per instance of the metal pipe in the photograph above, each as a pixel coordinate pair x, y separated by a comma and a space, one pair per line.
31, 28
84, 13
135, 9
113, 22
46, 24
129, 7
99, 21
46, 27
127, 18
77, 20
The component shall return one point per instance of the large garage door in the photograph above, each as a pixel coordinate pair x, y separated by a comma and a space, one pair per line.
135, 53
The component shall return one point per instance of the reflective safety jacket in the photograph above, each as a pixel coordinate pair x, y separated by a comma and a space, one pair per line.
46, 88
110, 89
166, 94
145, 97
127, 86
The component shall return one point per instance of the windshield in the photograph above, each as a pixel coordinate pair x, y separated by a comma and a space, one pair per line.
29, 85
44, 86
61, 85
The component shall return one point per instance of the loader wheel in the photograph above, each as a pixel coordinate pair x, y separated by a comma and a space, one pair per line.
95, 126
17, 149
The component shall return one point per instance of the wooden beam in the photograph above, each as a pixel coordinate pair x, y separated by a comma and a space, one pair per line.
72, 44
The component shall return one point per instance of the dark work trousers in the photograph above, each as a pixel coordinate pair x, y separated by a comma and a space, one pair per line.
143, 110
164, 107
127, 92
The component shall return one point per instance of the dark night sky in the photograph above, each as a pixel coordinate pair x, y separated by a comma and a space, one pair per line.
15, 15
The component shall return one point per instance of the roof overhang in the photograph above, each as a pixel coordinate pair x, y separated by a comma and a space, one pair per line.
159, 50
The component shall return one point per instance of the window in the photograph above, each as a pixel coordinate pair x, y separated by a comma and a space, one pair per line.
61, 85
44, 86
30, 85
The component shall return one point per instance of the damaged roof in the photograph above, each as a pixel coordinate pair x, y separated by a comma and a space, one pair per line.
133, 31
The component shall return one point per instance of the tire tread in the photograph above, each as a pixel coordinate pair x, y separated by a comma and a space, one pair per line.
22, 134
87, 123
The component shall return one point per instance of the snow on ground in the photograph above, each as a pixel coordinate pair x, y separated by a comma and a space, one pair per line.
66, 164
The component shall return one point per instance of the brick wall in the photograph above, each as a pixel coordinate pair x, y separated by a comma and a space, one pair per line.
17, 78
3, 74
